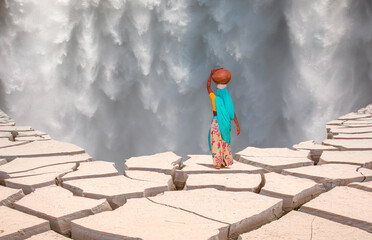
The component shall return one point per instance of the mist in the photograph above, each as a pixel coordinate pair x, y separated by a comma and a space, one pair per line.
125, 78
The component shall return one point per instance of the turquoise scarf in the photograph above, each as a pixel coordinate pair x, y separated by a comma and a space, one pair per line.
225, 113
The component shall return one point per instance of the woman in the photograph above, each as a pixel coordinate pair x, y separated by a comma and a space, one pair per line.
223, 113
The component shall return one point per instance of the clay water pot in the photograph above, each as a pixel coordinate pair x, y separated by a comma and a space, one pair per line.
221, 76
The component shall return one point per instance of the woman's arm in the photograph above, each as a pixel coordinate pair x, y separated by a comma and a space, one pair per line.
209, 80
209, 83
237, 125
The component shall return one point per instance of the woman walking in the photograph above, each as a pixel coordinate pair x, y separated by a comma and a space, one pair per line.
223, 113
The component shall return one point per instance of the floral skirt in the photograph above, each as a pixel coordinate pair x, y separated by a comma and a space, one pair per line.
221, 150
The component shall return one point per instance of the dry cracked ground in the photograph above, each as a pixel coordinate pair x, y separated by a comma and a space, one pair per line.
55, 190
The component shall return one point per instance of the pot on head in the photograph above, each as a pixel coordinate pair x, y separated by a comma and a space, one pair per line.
221, 76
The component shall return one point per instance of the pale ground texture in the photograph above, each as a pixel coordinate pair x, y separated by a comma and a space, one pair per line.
116, 189
329, 129
3, 161
31, 133
335, 122
166, 162
246, 200
227, 181
350, 144
357, 124
276, 164
332, 175
352, 130
5, 120
9, 195
204, 164
45, 170
363, 121
346, 205
148, 176
315, 149
353, 136
38, 178
28, 164
7, 135
49, 235
59, 206
366, 186
33, 138
357, 128
161, 162
360, 158
312, 146
243, 210
15, 128
4, 143
272, 152
294, 191
92, 169
143, 219
40, 148
18, 225
302, 226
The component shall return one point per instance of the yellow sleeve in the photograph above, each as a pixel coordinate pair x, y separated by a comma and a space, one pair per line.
213, 97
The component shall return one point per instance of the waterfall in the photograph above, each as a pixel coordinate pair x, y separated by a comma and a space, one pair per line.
124, 78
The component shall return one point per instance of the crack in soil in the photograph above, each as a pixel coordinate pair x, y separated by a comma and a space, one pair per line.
58, 180
364, 176
311, 234
262, 183
197, 214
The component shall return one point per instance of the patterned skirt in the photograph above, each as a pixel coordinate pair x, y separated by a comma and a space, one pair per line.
221, 150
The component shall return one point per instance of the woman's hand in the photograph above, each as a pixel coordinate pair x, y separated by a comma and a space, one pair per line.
237, 125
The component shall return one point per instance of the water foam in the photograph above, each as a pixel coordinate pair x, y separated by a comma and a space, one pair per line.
127, 78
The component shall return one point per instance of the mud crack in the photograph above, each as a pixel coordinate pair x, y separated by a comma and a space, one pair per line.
197, 214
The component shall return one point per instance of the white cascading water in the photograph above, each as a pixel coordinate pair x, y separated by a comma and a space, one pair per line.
124, 78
